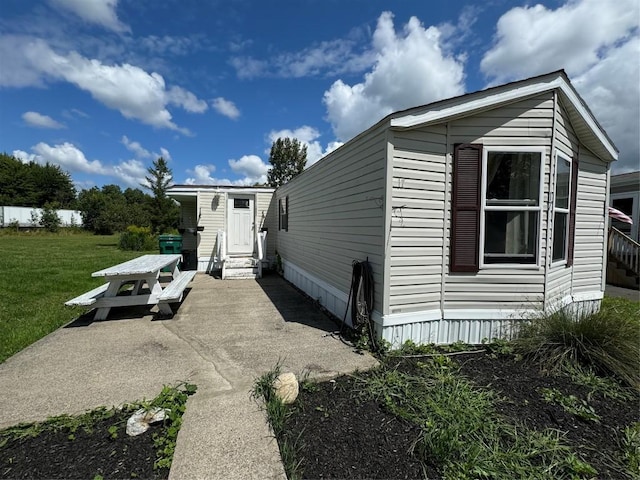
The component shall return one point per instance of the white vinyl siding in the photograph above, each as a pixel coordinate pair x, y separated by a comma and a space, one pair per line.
417, 219
266, 217
528, 123
559, 275
336, 214
591, 224
211, 207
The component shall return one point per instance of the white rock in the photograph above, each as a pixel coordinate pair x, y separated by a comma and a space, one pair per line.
286, 387
139, 422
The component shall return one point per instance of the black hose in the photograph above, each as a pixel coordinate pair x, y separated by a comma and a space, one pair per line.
361, 300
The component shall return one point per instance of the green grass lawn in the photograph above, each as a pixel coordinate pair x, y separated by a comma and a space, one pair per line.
42, 271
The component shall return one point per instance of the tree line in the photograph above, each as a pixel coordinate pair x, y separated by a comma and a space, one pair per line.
109, 209
104, 210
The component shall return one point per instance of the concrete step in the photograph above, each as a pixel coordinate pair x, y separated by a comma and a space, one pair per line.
240, 273
240, 262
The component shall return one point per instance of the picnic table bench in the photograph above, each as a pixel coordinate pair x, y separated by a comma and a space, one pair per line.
139, 271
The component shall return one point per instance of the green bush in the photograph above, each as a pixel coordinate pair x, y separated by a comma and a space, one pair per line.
50, 219
137, 239
607, 342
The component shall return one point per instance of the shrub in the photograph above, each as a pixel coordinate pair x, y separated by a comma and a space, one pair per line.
137, 239
50, 219
607, 342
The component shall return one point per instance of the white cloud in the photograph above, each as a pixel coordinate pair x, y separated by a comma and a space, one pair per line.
611, 89
70, 158
36, 119
66, 155
251, 167
248, 67
164, 153
596, 42
307, 136
129, 89
411, 68
132, 172
534, 40
100, 12
225, 107
136, 148
187, 100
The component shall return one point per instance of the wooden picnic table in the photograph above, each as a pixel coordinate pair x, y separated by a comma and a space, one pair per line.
139, 271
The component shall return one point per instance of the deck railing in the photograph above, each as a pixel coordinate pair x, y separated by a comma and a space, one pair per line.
624, 249
221, 247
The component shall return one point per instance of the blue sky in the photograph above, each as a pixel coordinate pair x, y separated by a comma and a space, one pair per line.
103, 87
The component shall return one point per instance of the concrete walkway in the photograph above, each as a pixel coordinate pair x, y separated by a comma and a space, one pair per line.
627, 293
224, 335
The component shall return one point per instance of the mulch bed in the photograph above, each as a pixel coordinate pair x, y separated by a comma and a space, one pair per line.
342, 436
65, 454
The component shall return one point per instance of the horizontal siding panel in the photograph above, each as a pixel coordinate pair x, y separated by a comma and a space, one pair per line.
405, 192
397, 240
414, 261
504, 132
418, 184
400, 271
419, 298
523, 288
405, 290
428, 176
479, 296
416, 252
453, 280
415, 279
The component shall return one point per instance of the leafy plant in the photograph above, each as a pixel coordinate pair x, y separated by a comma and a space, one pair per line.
606, 342
570, 403
630, 448
173, 399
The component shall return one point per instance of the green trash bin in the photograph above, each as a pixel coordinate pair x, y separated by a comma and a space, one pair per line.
170, 244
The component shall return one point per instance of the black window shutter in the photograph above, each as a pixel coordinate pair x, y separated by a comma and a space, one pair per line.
464, 252
286, 221
572, 211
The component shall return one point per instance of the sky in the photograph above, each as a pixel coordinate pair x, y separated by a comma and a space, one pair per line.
104, 87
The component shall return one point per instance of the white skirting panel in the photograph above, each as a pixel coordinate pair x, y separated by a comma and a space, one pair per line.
334, 300
447, 331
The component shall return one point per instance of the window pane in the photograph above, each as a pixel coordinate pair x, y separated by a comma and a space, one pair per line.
562, 183
240, 203
513, 178
510, 237
559, 236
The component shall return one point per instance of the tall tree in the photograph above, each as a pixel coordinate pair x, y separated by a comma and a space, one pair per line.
287, 158
164, 211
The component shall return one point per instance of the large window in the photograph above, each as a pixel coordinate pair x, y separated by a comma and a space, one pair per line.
511, 206
561, 206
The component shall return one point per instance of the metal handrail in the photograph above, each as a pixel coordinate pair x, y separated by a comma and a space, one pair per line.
624, 249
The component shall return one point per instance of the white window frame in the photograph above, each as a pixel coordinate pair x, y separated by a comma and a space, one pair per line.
484, 207
552, 222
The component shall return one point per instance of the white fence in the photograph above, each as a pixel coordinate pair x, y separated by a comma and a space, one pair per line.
30, 217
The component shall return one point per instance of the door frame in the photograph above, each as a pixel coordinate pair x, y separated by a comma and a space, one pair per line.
231, 197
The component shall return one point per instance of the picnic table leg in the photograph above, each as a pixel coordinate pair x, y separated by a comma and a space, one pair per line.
156, 289
112, 291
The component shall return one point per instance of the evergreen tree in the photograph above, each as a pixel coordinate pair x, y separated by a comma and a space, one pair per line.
288, 159
164, 211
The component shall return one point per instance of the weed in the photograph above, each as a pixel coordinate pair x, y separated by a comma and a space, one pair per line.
498, 346
173, 399
605, 386
458, 346
461, 429
113, 431
630, 448
570, 403
277, 413
606, 342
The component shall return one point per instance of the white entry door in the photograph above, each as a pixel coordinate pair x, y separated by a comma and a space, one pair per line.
240, 224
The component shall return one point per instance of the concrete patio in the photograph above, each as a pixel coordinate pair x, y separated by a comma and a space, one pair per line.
224, 335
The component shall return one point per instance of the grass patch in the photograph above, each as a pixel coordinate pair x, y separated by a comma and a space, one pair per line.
608, 342
462, 430
40, 273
